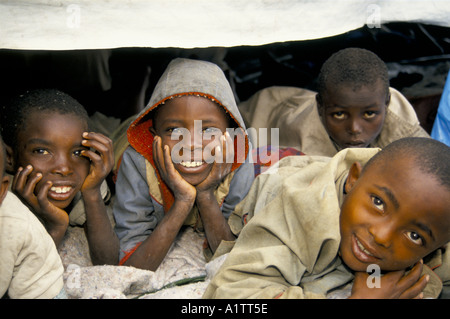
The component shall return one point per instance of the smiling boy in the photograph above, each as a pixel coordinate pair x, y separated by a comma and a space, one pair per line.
56, 162
175, 173
330, 221
29, 262
353, 107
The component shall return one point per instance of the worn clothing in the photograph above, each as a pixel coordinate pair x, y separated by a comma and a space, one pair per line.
142, 197
29, 262
77, 214
290, 246
294, 112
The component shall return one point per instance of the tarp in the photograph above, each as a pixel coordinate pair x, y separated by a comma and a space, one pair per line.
86, 24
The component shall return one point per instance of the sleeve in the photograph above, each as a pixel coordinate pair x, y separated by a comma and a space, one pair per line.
133, 209
239, 187
31, 267
261, 264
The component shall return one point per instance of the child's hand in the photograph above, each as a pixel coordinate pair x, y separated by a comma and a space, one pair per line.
221, 168
101, 155
180, 187
393, 285
24, 184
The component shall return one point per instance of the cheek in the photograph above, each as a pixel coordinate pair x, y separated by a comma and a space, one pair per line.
83, 168
333, 127
376, 126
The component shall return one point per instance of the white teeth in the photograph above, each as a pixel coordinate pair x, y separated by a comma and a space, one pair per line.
191, 164
362, 248
60, 189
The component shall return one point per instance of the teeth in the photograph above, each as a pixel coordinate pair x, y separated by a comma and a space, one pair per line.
60, 189
191, 164
362, 248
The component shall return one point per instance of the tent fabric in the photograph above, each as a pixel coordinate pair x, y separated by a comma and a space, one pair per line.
85, 24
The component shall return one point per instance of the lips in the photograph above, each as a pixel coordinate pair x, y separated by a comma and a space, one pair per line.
356, 144
363, 252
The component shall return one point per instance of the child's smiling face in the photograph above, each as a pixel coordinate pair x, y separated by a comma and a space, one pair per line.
392, 217
177, 117
51, 143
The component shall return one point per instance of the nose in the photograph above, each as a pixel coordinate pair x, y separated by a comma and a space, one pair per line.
382, 233
62, 166
354, 127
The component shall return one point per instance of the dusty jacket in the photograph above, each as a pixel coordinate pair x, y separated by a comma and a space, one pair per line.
290, 246
294, 111
142, 197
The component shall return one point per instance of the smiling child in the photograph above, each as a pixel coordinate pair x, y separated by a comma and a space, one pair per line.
56, 162
326, 222
29, 262
177, 170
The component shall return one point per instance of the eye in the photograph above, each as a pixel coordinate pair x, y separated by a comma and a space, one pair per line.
339, 115
78, 152
211, 130
175, 131
415, 237
370, 114
41, 151
378, 203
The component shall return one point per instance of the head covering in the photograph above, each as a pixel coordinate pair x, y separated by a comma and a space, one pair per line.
184, 77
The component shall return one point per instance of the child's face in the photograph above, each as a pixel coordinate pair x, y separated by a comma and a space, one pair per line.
354, 118
392, 217
176, 117
51, 143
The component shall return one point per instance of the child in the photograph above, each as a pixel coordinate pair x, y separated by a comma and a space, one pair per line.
320, 223
29, 262
157, 193
354, 107
56, 161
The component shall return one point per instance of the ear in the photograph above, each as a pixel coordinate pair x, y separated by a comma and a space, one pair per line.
4, 188
353, 175
9, 160
388, 99
319, 102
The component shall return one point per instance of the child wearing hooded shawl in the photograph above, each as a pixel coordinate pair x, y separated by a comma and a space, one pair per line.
186, 165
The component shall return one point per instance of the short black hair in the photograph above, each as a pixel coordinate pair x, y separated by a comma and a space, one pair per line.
14, 113
352, 66
431, 156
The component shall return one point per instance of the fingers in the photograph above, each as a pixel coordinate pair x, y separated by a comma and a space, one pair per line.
163, 160
25, 182
101, 149
158, 156
413, 282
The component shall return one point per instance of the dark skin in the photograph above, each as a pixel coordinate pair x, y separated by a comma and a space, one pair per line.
191, 184
51, 168
388, 219
353, 117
